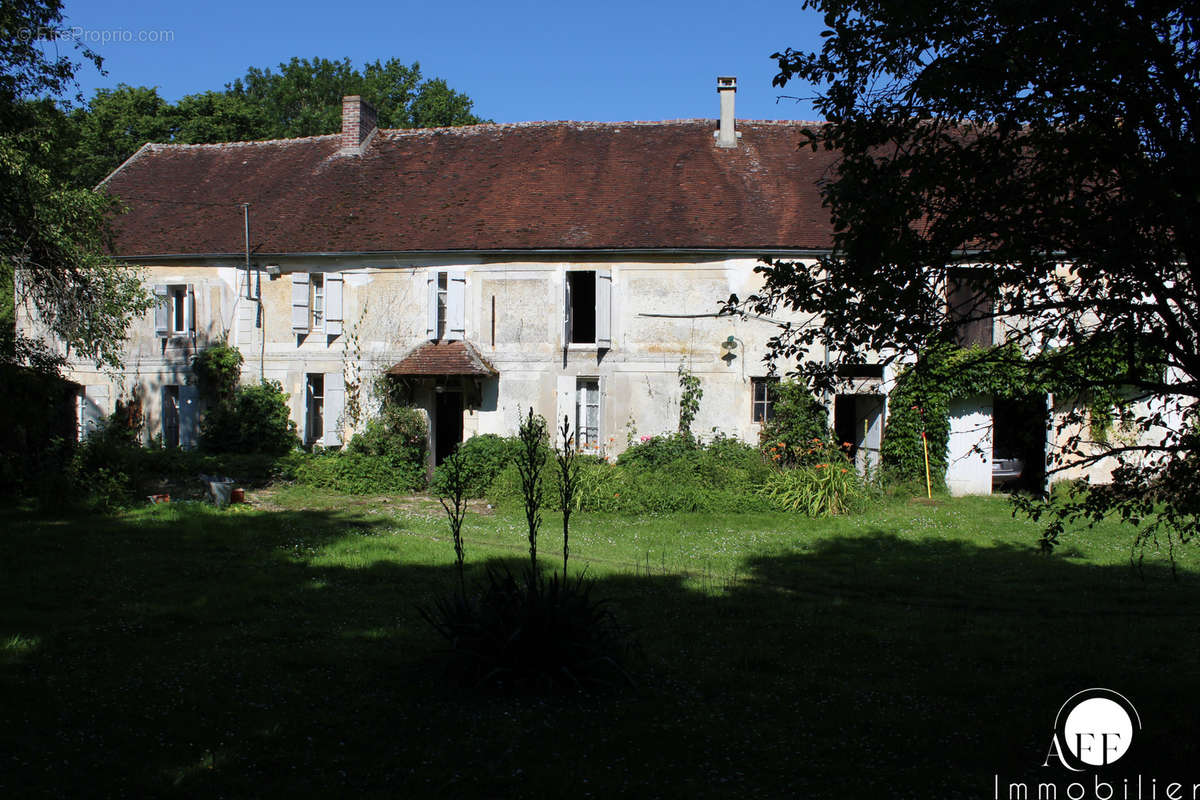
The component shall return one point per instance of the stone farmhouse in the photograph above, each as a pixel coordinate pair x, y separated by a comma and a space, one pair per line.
571, 267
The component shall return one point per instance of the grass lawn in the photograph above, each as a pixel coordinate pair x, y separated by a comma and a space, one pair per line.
276, 650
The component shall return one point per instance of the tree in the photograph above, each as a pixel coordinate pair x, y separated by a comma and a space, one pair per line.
52, 238
113, 126
301, 97
1046, 159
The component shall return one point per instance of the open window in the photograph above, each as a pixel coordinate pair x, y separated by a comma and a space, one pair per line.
317, 303
324, 407
587, 308
446, 293
174, 310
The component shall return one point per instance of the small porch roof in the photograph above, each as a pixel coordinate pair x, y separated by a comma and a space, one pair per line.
443, 358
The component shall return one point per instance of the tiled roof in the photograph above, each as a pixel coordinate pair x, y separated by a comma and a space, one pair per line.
444, 358
545, 185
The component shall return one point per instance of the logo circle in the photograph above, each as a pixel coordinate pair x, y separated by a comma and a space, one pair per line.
1095, 727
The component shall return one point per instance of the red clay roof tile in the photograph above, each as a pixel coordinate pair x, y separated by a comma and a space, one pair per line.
444, 358
546, 185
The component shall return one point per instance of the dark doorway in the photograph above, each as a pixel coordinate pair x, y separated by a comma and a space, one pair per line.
845, 417
1019, 442
448, 423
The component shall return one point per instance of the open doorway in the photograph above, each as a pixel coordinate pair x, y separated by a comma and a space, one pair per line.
1019, 442
447, 422
858, 426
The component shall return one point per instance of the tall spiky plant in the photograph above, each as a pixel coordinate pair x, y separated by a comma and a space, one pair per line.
530, 460
568, 473
456, 482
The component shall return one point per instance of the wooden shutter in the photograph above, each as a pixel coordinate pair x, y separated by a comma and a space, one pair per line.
162, 311
456, 302
431, 290
189, 416
335, 408
604, 308
92, 403
245, 328
566, 326
333, 304
565, 406
300, 323
190, 312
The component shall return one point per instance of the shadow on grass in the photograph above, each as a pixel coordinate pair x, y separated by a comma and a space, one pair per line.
195, 653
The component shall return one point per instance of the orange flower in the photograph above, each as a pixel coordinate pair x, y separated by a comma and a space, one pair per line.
822, 466
847, 444
844, 469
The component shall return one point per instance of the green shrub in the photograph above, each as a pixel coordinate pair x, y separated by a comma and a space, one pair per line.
357, 473
824, 489
798, 421
655, 451
399, 437
218, 370
256, 420
484, 457
532, 633
683, 485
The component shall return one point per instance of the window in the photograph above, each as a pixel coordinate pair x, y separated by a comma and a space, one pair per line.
587, 317
446, 312
587, 415
762, 404
442, 292
178, 309
318, 302
970, 308
314, 408
174, 310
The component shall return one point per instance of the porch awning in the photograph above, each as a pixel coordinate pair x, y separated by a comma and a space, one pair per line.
444, 358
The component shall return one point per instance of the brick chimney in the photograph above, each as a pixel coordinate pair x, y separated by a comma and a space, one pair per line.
358, 122
726, 135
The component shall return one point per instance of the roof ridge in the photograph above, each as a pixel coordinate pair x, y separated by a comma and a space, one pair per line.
587, 124
249, 143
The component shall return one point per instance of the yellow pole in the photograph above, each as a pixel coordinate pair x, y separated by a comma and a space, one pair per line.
928, 485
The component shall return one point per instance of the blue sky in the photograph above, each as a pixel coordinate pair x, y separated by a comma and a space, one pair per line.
518, 60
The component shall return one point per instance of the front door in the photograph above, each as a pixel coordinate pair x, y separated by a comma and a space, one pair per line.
448, 423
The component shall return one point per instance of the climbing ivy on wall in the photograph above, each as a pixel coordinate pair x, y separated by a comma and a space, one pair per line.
922, 395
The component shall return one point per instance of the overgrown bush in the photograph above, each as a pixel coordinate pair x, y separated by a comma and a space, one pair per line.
694, 484
798, 420
110, 470
825, 489
484, 456
256, 420
657, 451
218, 370
396, 440
357, 473
532, 633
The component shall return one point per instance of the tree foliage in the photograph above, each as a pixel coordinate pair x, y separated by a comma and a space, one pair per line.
1045, 156
301, 97
52, 237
